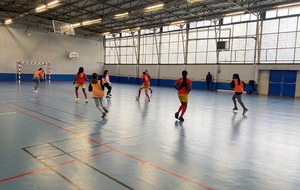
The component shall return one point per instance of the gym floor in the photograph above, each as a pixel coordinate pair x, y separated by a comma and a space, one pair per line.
50, 142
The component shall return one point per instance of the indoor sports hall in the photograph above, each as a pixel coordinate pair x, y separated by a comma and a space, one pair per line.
230, 123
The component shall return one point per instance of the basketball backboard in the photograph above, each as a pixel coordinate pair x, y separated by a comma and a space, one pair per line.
63, 28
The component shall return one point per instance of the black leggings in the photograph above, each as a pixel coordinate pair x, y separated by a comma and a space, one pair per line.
108, 88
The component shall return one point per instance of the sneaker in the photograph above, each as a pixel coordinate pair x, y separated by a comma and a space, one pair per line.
103, 115
245, 111
181, 119
35, 91
235, 108
77, 99
176, 115
148, 99
137, 98
106, 111
86, 101
109, 95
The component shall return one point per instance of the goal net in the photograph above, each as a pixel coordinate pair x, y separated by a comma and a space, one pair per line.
25, 70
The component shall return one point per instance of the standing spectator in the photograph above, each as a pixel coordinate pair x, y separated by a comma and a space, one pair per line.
80, 77
107, 83
144, 86
184, 86
37, 77
208, 80
96, 87
149, 77
238, 85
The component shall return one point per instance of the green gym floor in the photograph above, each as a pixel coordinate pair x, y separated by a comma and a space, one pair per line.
50, 142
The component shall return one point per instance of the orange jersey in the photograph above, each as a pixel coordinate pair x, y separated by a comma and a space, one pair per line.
80, 78
97, 90
37, 74
145, 80
147, 74
184, 90
238, 87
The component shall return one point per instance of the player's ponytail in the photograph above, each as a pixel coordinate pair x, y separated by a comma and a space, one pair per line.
183, 83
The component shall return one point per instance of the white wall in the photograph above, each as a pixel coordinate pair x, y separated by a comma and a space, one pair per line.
263, 81
195, 72
52, 48
297, 93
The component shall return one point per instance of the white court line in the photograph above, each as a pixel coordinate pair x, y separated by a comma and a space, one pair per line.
7, 113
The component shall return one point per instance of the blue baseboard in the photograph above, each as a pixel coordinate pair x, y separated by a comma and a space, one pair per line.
129, 80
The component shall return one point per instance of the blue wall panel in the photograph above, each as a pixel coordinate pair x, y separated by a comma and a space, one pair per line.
128, 80
7, 77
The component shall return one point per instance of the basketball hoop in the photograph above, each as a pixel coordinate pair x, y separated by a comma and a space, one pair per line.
73, 55
63, 28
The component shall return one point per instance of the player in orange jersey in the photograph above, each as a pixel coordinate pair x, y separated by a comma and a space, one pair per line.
144, 86
96, 87
238, 85
80, 77
37, 78
149, 77
183, 86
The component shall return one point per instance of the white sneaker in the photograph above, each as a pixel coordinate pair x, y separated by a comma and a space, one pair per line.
35, 91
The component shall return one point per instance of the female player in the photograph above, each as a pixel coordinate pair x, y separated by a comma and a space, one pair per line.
144, 86
149, 77
107, 83
238, 85
36, 77
80, 77
96, 87
184, 86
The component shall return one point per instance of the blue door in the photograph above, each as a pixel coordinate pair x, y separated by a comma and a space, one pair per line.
282, 83
289, 83
275, 83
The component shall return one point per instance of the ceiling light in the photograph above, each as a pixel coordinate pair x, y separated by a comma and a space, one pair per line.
288, 5
8, 21
135, 29
194, 1
41, 8
125, 31
121, 15
89, 22
76, 25
178, 22
235, 13
154, 7
105, 34
53, 4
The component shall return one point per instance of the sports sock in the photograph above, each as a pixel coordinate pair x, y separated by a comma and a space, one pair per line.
180, 108
147, 96
85, 95
76, 93
183, 111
